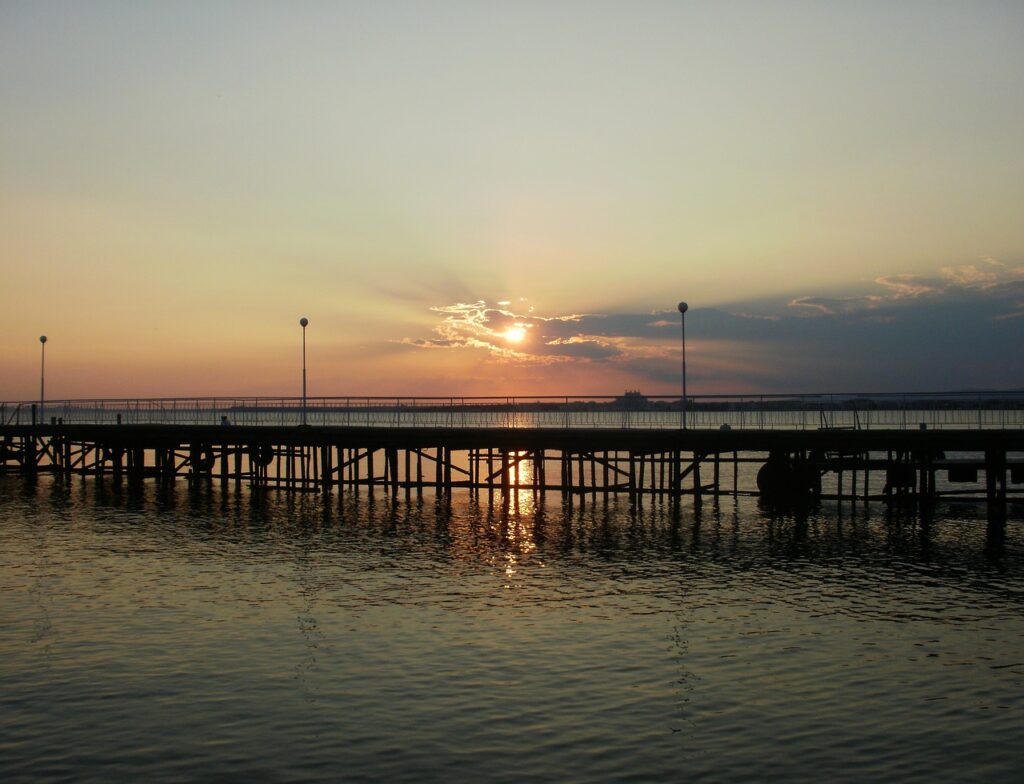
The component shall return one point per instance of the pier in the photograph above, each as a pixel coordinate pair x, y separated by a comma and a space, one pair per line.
787, 449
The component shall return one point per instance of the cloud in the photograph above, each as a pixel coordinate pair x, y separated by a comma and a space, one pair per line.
989, 277
522, 336
831, 306
962, 327
506, 334
582, 346
902, 286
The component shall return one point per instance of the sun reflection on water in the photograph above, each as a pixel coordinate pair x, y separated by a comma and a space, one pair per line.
518, 515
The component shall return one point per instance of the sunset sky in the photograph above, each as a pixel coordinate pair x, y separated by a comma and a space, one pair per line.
502, 198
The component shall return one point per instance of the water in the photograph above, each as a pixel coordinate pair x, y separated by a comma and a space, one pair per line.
170, 634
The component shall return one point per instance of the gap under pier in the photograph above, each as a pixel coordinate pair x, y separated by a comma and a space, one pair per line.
782, 465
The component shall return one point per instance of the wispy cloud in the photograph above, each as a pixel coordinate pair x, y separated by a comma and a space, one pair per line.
987, 276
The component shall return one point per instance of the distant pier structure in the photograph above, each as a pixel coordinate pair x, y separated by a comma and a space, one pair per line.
785, 448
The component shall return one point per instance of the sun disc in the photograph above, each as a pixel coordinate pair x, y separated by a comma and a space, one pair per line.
515, 334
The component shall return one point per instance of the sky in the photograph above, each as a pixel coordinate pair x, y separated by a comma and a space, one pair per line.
476, 198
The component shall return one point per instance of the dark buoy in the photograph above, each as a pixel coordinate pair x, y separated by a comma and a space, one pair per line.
261, 454
786, 479
203, 459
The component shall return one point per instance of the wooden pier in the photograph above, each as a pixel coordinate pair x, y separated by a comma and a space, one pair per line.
783, 466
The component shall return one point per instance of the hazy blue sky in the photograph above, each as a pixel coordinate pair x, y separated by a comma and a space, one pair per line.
836, 188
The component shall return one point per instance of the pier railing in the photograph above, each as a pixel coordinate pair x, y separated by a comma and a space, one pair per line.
857, 411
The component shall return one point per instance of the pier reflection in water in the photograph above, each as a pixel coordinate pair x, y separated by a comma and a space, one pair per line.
165, 632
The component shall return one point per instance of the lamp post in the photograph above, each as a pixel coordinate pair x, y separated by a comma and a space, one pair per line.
42, 376
304, 322
683, 307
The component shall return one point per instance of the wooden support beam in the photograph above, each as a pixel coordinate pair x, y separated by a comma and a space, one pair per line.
632, 476
408, 474
392, 458
542, 471
697, 487
507, 462
326, 468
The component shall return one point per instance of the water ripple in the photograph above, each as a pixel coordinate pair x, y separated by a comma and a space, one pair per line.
174, 633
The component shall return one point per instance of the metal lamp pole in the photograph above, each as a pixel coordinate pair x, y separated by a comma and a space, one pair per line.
683, 307
304, 322
42, 376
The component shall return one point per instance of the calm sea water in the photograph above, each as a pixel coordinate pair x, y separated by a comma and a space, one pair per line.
177, 633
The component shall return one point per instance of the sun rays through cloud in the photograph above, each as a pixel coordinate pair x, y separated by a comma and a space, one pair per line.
517, 334
807, 342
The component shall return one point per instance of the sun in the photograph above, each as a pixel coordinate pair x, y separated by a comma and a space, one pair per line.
515, 334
